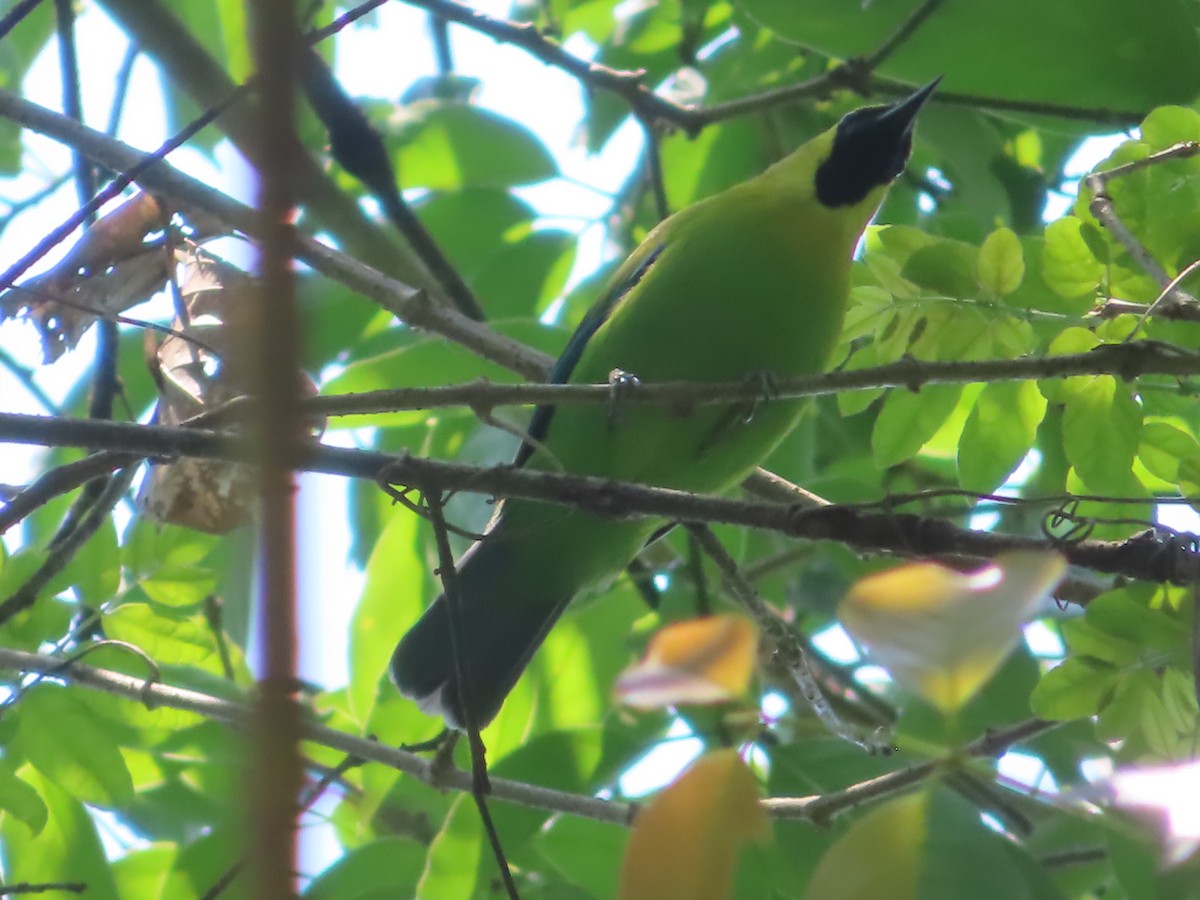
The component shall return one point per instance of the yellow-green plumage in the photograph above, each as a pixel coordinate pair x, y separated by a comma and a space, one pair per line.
751, 282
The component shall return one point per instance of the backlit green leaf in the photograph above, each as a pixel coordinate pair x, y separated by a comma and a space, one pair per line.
1000, 266
64, 740
999, 432
908, 419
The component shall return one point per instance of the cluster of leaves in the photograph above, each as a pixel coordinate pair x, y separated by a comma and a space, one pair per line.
963, 270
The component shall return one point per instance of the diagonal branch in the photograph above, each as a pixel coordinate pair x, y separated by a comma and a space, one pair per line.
408, 303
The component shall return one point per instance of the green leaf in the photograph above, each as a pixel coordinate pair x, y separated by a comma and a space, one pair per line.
177, 584
1014, 50
853, 402
1000, 265
1121, 717
1169, 125
907, 420
1068, 341
20, 799
95, 571
64, 740
395, 592
452, 868
952, 331
1164, 447
869, 307
168, 636
1011, 337
145, 872
929, 845
389, 867
452, 146
695, 167
1071, 690
587, 853
1069, 267
1102, 425
1124, 612
525, 276
998, 433
473, 225
66, 850
149, 545
946, 268
1090, 641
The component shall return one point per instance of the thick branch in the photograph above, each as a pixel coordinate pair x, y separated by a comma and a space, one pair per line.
1143, 556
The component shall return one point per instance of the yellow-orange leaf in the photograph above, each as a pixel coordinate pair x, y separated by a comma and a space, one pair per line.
708, 660
944, 633
685, 843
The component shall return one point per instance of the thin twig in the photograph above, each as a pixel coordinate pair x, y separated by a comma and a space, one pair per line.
1125, 361
788, 651
824, 807
58, 481
480, 786
650, 107
70, 544
15, 15
25, 887
25, 377
902, 34
1105, 211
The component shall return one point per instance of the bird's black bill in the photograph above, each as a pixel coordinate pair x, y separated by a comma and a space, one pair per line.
870, 149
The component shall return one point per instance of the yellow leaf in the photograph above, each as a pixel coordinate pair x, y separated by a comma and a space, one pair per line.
685, 844
708, 660
943, 633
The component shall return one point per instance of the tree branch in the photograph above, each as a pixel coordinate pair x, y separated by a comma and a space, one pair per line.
1145, 556
822, 808
817, 808
1125, 361
650, 107
408, 303
241, 715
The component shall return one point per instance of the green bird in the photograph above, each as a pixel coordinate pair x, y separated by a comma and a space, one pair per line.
750, 283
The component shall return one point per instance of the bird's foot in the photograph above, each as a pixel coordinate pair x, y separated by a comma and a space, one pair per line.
620, 385
765, 386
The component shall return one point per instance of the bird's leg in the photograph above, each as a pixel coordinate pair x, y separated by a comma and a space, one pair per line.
620, 383
766, 387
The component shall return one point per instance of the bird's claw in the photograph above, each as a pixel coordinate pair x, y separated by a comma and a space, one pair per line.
620, 384
767, 385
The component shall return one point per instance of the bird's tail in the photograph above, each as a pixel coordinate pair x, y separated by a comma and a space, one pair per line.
507, 604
